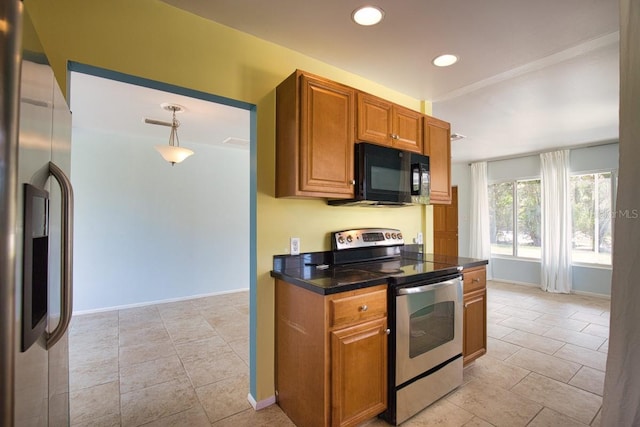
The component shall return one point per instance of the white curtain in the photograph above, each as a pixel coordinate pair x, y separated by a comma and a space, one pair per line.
621, 403
556, 222
479, 241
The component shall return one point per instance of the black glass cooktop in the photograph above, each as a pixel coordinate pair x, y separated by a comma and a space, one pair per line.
333, 277
396, 271
406, 270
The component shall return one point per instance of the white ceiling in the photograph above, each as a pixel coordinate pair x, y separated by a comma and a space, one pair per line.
532, 75
115, 107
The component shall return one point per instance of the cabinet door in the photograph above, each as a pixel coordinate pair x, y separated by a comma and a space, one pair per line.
407, 129
437, 142
326, 138
374, 119
385, 123
358, 372
475, 325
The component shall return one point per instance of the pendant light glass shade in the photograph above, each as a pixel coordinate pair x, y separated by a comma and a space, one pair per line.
173, 153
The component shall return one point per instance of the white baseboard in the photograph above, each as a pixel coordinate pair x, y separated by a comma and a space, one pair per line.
591, 294
164, 301
262, 404
513, 282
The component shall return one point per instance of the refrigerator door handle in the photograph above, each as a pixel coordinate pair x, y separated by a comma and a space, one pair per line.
66, 271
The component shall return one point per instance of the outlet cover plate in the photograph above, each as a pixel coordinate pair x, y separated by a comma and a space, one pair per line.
294, 246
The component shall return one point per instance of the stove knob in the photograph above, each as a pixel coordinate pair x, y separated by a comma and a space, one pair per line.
387, 235
341, 240
400, 236
393, 235
349, 239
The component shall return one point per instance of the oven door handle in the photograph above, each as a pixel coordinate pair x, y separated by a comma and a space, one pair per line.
427, 288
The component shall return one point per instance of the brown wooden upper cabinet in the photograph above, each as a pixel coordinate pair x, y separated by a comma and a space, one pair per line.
317, 123
437, 145
314, 137
385, 123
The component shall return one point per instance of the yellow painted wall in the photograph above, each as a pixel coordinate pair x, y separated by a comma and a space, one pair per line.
150, 39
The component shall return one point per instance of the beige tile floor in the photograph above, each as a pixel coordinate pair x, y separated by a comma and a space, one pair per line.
186, 364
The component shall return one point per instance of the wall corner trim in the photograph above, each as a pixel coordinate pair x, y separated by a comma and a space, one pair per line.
262, 404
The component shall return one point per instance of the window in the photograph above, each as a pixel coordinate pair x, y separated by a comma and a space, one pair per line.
528, 225
592, 202
501, 218
515, 203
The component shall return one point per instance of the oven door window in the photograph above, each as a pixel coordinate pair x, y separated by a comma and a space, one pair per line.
431, 327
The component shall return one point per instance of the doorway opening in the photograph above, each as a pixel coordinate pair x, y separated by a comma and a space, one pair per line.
146, 231
160, 232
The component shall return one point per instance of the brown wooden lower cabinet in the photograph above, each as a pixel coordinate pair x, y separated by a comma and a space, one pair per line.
358, 355
331, 355
475, 314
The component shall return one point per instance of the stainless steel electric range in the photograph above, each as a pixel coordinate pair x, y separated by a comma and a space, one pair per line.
424, 312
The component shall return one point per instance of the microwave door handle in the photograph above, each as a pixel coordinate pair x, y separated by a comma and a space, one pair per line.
416, 179
66, 271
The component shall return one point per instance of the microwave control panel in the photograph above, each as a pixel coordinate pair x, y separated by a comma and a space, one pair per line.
365, 238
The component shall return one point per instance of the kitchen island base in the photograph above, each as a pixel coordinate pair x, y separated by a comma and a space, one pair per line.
331, 355
360, 328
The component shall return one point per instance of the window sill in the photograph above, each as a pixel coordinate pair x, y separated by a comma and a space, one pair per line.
589, 265
538, 260
514, 258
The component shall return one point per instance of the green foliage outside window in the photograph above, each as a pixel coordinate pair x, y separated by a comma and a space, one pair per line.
523, 199
515, 217
591, 200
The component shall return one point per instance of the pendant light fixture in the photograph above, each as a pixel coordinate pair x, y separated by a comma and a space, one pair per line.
172, 153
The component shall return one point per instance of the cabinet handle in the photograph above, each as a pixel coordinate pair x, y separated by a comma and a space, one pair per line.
364, 307
352, 182
476, 280
394, 136
473, 301
387, 331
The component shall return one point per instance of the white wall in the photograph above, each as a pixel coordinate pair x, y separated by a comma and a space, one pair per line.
461, 177
596, 280
146, 231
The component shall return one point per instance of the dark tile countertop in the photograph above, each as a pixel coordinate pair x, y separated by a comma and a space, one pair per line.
313, 271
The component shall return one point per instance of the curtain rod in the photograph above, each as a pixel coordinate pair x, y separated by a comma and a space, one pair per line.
536, 153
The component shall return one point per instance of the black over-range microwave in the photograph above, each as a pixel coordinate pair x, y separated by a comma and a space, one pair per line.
386, 176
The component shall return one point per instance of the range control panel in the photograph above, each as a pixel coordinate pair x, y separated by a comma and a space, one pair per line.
366, 238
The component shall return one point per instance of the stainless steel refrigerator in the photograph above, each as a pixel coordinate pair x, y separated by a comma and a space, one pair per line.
36, 206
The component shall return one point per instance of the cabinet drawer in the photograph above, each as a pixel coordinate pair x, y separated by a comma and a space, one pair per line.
474, 279
357, 308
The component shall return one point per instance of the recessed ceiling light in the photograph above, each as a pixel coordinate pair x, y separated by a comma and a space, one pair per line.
445, 60
367, 15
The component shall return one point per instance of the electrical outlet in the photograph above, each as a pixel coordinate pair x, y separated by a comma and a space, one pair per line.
419, 238
294, 248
